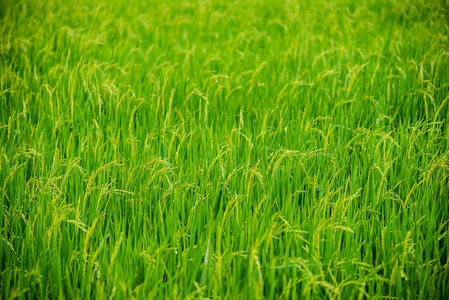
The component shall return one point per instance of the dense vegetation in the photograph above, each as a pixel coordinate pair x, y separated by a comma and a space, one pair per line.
224, 149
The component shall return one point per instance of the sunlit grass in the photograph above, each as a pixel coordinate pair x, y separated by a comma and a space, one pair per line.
224, 149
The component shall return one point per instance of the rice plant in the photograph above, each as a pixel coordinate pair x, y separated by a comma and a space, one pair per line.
242, 149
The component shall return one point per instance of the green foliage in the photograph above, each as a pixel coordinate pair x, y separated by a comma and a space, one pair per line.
224, 149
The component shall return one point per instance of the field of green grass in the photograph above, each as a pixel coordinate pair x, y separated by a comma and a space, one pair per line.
242, 149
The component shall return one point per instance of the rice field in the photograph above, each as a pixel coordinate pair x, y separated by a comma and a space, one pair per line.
241, 149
